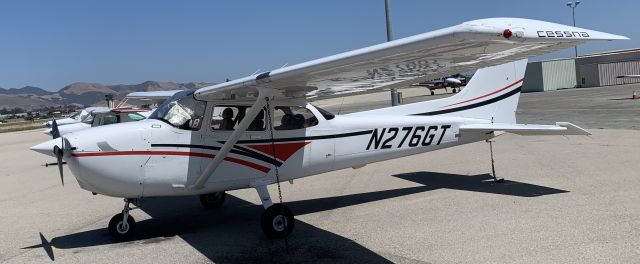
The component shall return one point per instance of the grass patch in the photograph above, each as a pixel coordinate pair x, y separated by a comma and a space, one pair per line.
19, 126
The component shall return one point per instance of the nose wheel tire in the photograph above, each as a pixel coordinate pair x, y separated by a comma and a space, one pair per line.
213, 200
277, 221
120, 230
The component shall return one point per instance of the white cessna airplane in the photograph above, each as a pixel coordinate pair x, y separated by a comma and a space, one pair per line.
260, 129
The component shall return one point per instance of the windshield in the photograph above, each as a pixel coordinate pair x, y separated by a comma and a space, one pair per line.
75, 116
181, 111
88, 119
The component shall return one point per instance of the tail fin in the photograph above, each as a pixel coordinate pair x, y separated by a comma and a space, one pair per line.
491, 94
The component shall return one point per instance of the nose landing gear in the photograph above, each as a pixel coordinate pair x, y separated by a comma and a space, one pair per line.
122, 226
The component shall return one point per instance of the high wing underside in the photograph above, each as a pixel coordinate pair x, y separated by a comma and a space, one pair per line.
468, 46
153, 97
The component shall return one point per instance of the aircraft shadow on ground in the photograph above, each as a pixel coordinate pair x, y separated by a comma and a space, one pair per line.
478, 183
232, 233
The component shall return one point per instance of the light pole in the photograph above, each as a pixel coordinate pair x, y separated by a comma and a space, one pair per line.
387, 10
573, 6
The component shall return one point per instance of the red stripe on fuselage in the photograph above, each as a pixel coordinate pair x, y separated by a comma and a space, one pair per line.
282, 150
479, 97
171, 153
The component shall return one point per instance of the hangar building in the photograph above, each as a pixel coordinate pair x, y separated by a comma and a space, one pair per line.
550, 75
602, 69
593, 70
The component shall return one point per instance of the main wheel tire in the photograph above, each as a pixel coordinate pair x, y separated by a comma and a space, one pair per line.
120, 231
455, 90
432, 92
277, 221
213, 200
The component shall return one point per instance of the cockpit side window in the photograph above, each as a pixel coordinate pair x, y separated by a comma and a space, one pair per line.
110, 118
293, 117
228, 117
181, 111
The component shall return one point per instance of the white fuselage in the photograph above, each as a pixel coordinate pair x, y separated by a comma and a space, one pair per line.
152, 158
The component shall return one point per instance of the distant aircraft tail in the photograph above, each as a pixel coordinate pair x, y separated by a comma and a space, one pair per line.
492, 94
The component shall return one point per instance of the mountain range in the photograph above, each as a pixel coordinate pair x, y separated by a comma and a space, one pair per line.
81, 93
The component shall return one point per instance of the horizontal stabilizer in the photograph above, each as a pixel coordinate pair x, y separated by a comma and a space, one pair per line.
561, 128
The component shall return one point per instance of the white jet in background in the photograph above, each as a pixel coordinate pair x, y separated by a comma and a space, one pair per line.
134, 107
75, 118
261, 129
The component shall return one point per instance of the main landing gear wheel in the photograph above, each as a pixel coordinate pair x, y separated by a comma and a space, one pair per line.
213, 200
432, 92
277, 221
455, 90
121, 230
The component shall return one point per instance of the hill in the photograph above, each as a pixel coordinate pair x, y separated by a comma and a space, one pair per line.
81, 93
25, 90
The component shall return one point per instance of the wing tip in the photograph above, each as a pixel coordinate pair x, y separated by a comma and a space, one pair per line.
537, 29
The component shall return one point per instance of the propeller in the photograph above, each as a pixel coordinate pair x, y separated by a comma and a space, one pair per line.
58, 150
54, 129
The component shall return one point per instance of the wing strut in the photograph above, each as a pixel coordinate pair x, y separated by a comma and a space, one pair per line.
233, 138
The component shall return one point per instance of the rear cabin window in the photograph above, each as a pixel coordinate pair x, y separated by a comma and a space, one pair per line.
134, 117
227, 118
293, 117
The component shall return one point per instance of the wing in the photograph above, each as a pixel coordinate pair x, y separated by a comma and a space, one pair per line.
468, 46
561, 128
154, 97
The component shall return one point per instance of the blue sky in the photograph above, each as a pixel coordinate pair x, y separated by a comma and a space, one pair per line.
50, 44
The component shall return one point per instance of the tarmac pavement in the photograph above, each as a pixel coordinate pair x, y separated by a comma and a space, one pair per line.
565, 200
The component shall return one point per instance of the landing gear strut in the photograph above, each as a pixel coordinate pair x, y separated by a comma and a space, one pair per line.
493, 167
277, 220
122, 225
213, 200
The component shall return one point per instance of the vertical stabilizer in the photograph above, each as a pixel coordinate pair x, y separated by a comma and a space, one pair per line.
491, 94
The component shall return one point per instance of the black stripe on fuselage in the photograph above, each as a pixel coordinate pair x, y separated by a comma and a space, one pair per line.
276, 140
256, 155
242, 152
471, 106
